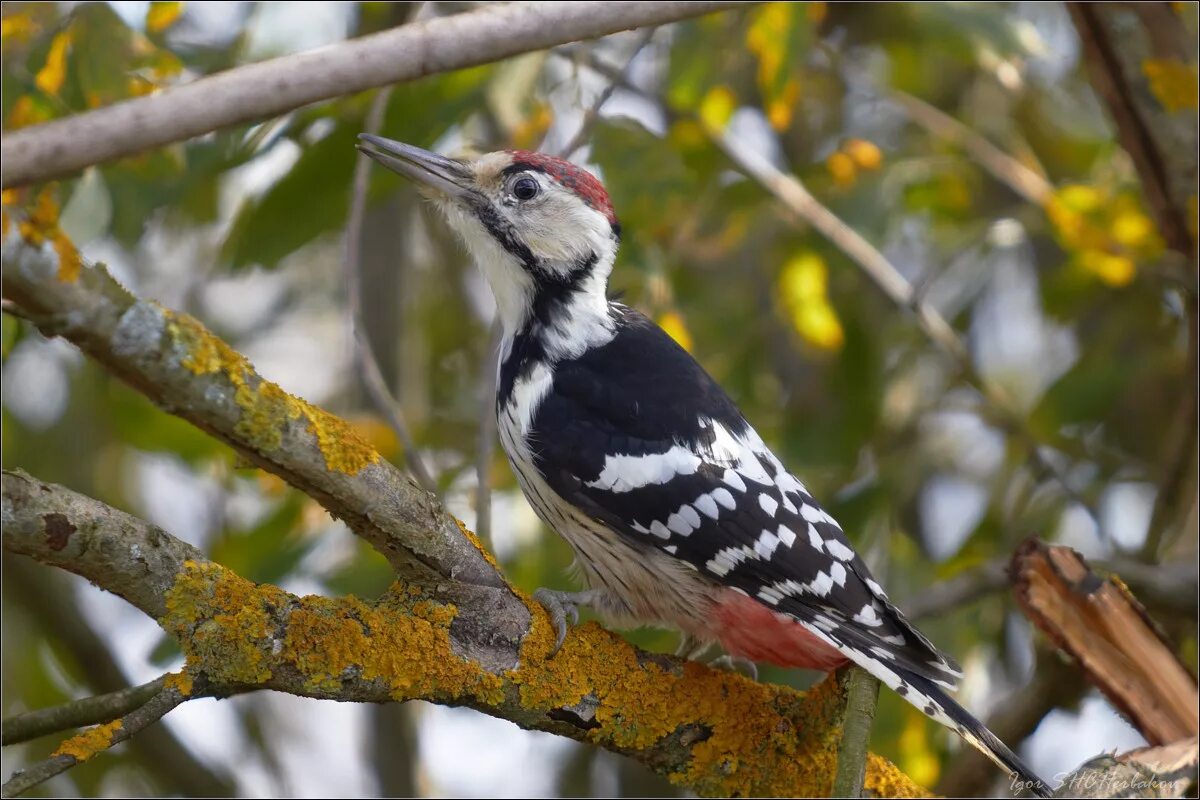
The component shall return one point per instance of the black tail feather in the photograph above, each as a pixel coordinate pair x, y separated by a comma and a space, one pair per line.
975, 732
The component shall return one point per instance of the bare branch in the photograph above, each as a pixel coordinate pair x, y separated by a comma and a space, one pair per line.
78, 713
1116, 644
269, 88
1119, 44
364, 355
862, 692
1021, 179
81, 748
413, 643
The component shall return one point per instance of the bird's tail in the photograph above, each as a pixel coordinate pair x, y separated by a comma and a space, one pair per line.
934, 702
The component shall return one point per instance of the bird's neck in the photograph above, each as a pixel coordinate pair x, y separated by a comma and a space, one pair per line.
561, 319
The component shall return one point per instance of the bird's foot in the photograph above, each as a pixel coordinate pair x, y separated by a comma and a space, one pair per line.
690, 647
560, 606
736, 664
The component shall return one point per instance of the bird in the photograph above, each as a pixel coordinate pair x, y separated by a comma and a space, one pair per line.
678, 513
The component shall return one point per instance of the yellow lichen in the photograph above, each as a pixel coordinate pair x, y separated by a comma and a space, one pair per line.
41, 226
181, 682
223, 622
474, 540
405, 646
266, 409
884, 779
92, 741
345, 450
757, 739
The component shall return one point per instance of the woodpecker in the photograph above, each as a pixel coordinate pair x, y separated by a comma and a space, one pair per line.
679, 515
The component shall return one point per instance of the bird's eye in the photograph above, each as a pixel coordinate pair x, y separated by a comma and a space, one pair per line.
525, 189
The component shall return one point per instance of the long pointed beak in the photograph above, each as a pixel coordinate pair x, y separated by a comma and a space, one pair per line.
450, 177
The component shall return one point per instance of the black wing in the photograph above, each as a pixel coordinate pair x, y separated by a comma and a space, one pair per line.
639, 436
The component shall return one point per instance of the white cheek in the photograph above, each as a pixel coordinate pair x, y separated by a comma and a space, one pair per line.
565, 233
511, 285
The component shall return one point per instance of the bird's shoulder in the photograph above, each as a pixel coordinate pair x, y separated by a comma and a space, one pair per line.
641, 383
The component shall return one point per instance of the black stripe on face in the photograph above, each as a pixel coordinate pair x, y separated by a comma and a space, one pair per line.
552, 294
504, 233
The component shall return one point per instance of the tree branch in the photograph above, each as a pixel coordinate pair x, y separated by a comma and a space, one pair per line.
1122, 48
52, 606
862, 692
186, 370
1108, 633
269, 88
364, 355
84, 746
78, 713
716, 732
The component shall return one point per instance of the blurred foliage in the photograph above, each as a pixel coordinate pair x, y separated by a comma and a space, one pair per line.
241, 227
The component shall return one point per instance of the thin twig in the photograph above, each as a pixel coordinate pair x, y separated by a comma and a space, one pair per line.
153, 710
862, 692
955, 593
1006, 169
77, 714
592, 115
364, 355
486, 442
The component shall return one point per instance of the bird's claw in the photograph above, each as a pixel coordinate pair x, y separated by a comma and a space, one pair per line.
736, 664
561, 606
690, 647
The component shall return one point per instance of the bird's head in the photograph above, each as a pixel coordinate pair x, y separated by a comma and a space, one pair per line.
542, 229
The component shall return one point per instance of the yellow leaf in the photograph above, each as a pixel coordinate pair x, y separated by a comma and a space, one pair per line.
1081, 198
802, 293
27, 111
1132, 229
717, 107
841, 167
672, 322
162, 15
51, 76
1173, 83
530, 130
1114, 270
865, 154
18, 28
779, 109
767, 39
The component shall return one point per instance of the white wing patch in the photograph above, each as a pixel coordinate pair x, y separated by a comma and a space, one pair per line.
623, 473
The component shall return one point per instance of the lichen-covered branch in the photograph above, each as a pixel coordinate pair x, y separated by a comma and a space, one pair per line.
84, 746
78, 713
186, 370
715, 732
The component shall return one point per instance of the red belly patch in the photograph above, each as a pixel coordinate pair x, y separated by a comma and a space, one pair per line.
748, 629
